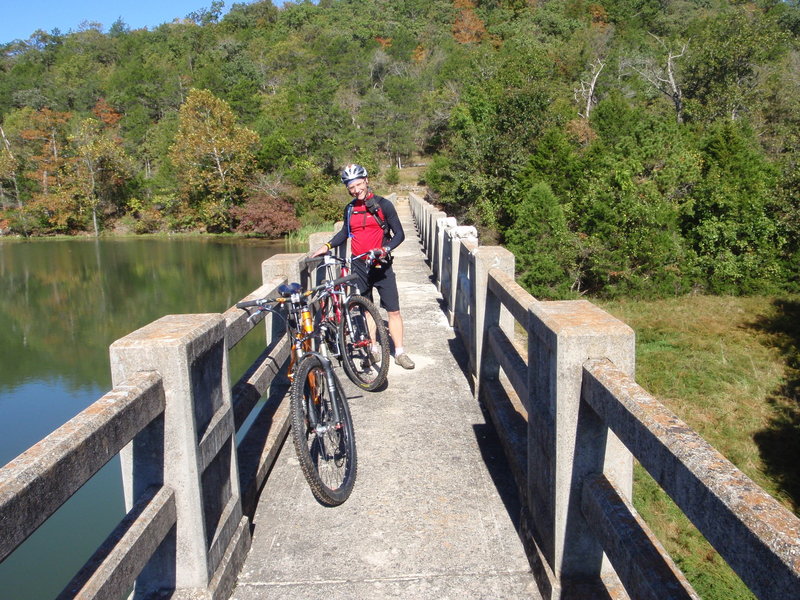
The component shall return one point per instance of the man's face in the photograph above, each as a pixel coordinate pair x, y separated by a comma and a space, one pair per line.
358, 188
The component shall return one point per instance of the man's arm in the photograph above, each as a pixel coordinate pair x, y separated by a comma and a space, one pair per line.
393, 221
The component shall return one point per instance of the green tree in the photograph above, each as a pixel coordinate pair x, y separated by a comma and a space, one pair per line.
724, 61
729, 219
546, 251
213, 157
99, 167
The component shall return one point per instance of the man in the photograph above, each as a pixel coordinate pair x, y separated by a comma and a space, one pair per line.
371, 223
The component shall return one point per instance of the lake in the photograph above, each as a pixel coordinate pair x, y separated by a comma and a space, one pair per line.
62, 303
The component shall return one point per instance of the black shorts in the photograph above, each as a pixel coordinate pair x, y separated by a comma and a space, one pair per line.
381, 278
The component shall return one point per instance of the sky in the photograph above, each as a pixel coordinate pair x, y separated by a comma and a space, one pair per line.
20, 18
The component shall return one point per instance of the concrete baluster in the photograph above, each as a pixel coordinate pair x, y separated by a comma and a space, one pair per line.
455, 236
285, 266
315, 276
488, 311
445, 259
464, 305
567, 441
197, 458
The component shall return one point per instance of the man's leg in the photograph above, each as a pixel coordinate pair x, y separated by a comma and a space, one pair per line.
390, 300
396, 331
396, 327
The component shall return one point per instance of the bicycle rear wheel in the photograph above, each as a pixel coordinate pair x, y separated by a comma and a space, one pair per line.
325, 445
365, 360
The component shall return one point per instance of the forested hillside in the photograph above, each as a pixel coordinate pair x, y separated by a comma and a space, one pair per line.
644, 147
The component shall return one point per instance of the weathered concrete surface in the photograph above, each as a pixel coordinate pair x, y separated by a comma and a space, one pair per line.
434, 507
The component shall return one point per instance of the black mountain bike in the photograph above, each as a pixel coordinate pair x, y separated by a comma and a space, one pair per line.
322, 426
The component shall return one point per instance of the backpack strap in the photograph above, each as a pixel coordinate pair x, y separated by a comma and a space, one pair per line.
348, 211
372, 207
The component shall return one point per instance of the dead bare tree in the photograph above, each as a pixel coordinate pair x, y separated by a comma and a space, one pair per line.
587, 88
9, 162
662, 77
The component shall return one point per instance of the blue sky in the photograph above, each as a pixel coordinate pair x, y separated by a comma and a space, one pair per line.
20, 18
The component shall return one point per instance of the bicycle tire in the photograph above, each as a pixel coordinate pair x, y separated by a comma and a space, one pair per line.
327, 452
355, 347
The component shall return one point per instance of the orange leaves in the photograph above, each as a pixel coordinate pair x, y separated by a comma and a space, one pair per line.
106, 113
468, 28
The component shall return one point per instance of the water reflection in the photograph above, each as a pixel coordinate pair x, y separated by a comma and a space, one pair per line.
62, 303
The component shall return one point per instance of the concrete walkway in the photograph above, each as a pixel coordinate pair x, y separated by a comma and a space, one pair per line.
433, 511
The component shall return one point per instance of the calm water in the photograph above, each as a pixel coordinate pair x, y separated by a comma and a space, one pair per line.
62, 303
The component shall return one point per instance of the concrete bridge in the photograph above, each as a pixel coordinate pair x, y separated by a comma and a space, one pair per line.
501, 467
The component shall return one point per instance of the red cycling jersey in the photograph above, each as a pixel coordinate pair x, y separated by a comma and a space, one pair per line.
365, 230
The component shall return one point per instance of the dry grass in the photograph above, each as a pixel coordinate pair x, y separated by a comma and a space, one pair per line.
728, 367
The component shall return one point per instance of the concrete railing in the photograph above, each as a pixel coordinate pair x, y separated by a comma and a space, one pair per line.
172, 416
558, 381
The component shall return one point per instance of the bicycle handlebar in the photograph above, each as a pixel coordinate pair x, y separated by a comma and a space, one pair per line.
260, 302
335, 282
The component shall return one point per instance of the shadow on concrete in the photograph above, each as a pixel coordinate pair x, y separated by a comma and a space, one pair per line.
490, 447
779, 441
462, 359
499, 471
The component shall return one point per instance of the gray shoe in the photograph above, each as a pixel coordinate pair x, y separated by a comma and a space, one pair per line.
376, 354
404, 361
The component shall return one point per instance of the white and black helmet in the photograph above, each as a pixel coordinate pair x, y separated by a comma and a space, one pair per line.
352, 172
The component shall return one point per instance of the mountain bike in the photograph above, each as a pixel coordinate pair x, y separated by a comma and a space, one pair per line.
322, 426
352, 327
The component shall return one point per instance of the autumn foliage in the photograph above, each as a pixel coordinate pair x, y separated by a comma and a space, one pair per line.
265, 215
468, 28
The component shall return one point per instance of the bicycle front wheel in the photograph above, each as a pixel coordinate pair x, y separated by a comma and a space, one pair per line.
364, 344
322, 431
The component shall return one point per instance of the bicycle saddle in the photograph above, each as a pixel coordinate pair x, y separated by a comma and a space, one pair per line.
287, 289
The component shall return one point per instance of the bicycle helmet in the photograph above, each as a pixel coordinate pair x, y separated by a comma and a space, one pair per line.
352, 172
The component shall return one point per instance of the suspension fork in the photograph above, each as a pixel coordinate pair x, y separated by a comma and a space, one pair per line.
330, 384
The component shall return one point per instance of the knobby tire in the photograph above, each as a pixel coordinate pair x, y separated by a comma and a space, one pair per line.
327, 454
355, 346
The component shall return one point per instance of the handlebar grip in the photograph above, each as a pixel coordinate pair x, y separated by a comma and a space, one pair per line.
345, 279
248, 303
310, 260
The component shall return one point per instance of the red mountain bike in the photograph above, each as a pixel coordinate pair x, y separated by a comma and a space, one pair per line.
353, 328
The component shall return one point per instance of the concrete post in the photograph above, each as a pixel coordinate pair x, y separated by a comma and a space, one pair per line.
454, 238
198, 461
281, 265
464, 306
425, 231
440, 248
438, 224
315, 240
486, 258
566, 440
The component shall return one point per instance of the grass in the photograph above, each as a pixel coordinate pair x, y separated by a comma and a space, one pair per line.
297, 241
728, 367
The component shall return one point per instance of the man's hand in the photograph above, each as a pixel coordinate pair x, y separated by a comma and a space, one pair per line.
319, 251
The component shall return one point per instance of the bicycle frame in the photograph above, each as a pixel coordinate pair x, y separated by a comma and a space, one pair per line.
332, 311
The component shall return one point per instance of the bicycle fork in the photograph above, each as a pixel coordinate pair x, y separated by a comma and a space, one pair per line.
314, 398
360, 330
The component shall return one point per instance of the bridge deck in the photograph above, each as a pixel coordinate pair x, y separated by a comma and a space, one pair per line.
434, 508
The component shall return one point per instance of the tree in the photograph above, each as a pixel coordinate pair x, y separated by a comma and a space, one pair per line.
214, 156
730, 221
664, 77
9, 170
722, 71
99, 166
547, 256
